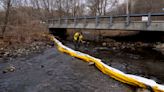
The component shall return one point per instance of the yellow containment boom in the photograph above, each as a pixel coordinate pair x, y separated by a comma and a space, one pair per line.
112, 72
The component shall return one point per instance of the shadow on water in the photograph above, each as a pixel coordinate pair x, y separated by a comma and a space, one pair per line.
144, 36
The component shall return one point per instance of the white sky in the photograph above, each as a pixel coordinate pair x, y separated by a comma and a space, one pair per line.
82, 1
121, 1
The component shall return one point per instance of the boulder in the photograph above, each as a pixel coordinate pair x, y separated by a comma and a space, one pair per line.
142, 90
160, 48
10, 68
104, 44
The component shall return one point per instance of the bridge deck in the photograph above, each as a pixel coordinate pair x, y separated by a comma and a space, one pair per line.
109, 22
155, 26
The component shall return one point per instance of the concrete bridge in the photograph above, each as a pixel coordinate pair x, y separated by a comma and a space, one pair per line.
135, 22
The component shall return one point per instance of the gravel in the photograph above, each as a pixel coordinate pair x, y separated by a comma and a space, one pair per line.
23, 50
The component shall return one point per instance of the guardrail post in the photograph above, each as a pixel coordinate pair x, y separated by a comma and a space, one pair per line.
75, 21
48, 22
55, 21
127, 20
149, 20
85, 21
66, 21
111, 21
97, 21
59, 21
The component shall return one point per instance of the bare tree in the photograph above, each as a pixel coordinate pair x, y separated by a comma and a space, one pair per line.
77, 8
7, 7
100, 7
146, 6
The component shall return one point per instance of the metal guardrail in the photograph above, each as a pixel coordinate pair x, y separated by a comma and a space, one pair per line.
110, 21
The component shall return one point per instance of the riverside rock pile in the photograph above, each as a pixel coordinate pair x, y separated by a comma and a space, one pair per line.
160, 47
116, 45
26, 49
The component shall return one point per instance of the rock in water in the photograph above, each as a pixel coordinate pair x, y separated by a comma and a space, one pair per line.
142, 90
6, 54
104, 44
9, 69
160, 48
91, 63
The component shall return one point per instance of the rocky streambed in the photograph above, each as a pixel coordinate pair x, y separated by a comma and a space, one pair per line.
22, 50
138, 58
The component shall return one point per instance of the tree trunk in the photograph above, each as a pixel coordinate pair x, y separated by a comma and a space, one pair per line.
6, 17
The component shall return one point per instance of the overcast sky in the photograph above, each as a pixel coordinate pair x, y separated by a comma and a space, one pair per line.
120, 1
82, 1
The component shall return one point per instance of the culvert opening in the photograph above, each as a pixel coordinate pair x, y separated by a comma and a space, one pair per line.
60, 33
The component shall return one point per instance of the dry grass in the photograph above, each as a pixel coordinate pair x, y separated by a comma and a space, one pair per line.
24, 34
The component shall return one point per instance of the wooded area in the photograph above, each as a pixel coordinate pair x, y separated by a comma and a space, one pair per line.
28, 15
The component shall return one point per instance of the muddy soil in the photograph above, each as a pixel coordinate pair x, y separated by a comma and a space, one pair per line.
52, 71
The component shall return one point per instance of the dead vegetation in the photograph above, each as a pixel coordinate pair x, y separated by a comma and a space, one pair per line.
23, 21
23, 34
